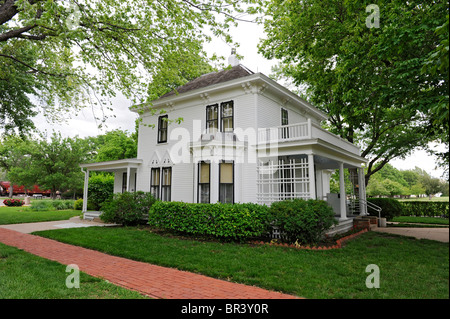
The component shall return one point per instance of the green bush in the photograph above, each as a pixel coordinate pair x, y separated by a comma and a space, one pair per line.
223, 221
390, 207
128, 208
78, 205
42, 205
63, 204
301, 220
101, 189
427, 209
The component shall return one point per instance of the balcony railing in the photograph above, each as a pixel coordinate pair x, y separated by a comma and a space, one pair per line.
303, 131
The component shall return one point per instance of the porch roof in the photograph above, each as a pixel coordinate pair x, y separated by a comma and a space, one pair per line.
112, 166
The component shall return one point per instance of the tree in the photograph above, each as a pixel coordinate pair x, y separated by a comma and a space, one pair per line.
70, 54
15, 160
116, 145
369, 80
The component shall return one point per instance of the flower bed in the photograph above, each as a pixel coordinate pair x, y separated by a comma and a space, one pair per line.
13, 202
339, 243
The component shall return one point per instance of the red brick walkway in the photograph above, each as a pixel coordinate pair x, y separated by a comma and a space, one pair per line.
151, 280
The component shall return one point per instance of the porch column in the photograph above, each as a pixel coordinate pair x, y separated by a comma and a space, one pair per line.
343, 201
85, 190
312, 180
362, 193
128, 178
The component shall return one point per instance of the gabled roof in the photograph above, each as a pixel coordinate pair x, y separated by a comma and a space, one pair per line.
205, 80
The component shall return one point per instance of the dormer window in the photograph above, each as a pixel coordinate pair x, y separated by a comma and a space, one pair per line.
162, 129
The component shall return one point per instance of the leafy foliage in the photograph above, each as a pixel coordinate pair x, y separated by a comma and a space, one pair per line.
100, 190
302, 221
429, 209
371, 81
223, 221
128, 208
390, 207
73, 54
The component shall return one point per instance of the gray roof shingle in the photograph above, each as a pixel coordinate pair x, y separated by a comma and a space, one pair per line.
205, 80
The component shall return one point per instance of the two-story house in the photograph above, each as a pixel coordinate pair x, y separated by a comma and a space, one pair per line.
242, 138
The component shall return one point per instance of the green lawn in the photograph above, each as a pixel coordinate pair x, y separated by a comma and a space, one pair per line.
424, 199
18, 215
409, 268
25, 276
421, 220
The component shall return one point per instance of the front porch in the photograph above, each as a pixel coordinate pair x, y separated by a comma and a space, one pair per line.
125, 179
297, 160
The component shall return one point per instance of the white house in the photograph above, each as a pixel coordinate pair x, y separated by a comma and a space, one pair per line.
242, 138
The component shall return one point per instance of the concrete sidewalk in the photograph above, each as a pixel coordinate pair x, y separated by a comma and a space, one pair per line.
74, 222
438, 234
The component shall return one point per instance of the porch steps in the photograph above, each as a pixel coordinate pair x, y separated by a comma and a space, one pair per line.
92, 215
342, 227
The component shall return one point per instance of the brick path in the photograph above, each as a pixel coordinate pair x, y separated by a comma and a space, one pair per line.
151, 280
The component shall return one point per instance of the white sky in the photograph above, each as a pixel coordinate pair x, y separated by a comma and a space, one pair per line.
247, 35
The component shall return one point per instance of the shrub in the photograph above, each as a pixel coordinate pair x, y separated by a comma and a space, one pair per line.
223, 221
78, 205
301, 220
101, 189
42, 205
13, 202
428, 209
128, 208
63, 204
390, 207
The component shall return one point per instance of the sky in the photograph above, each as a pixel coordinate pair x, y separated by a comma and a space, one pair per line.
247, 35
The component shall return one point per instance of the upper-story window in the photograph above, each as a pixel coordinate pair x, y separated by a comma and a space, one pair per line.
284, 117
227, 116
284, 121
212, 118
162, 129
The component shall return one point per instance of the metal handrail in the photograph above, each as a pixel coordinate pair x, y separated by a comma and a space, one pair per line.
373, 206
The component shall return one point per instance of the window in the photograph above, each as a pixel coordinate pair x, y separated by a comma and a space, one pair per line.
212, 118
226, 182
161, 183
124, 182
162, 129
204, 173
227, 116
284, 121
166, 183
154, 182
284, 117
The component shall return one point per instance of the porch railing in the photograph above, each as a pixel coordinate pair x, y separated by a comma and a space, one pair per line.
302, 131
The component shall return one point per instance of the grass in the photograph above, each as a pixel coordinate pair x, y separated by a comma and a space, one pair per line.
25, 276
18, 215
424, 199
409, 268
421, 220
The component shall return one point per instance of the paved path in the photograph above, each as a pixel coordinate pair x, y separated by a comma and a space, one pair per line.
439, 234
73, 222
151, 280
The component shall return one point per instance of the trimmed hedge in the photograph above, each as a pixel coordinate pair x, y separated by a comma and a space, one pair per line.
390, 207
302, 221
224, 221
428, 209
128, 208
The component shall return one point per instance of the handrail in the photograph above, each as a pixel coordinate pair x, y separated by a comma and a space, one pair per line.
373, 206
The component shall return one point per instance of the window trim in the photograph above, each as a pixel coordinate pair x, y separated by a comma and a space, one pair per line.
226, 117
212, 120
170, 181
198, 181
160, 129
233, 183
159, 181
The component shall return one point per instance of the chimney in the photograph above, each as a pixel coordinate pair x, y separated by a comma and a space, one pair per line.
232, 59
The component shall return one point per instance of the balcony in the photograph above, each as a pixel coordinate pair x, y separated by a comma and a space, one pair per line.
302, 132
